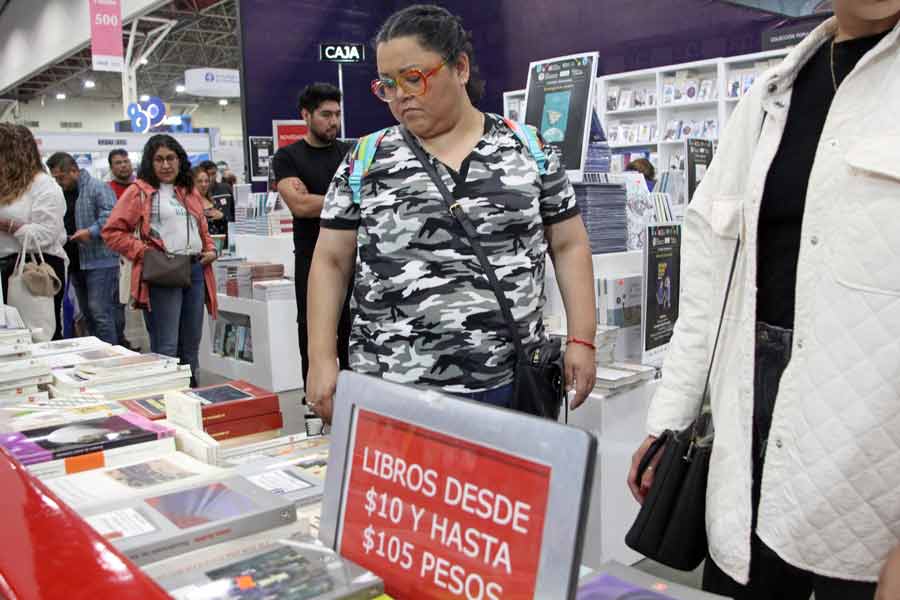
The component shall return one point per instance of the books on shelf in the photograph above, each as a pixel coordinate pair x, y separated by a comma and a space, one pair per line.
629, 98
46, 444
233, 340
158, 527
273, 290
707, 90
620, 299
677, 129
279, 566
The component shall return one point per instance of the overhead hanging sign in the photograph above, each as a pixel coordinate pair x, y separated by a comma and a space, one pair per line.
559, 100
342, 53
216, 83
106, 35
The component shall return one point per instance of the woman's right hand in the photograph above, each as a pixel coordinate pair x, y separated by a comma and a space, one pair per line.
321, 386
639, 489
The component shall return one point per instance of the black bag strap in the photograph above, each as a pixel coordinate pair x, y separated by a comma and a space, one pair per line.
712, 357
463, 219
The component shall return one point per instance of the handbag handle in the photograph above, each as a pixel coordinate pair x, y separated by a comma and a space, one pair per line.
712, 357
27, 242
462, 218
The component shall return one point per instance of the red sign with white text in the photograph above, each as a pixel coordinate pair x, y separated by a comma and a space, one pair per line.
437, 517
106, 35
287, 133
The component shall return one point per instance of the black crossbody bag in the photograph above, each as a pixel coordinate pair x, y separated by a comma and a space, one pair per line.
539, 385
671, 525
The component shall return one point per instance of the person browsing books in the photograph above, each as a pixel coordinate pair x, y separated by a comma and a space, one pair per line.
424, 312
31, 204
167, 212
804, 476
303, 171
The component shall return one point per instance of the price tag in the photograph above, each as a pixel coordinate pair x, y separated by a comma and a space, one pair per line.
438, 517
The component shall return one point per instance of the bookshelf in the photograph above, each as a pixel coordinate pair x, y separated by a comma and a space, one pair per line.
651, 97
276, 354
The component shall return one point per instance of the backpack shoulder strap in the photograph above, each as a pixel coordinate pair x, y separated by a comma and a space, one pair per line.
361, 159
529, 138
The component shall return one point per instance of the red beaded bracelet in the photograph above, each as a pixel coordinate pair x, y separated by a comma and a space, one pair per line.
575, 340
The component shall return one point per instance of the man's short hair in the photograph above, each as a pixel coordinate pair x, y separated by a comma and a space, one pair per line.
62, 161
206, 165
315, 94
116, 152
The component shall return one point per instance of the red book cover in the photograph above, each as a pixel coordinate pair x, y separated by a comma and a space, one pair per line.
240, 427
234, 400
152, 407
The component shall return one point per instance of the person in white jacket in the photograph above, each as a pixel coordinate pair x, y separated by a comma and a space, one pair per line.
31, 204
803, 492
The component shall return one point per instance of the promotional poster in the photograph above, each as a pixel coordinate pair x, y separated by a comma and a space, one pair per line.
662, 282
559, 102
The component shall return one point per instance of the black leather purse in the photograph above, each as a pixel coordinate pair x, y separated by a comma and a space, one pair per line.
168, 270
671, 525
539, 387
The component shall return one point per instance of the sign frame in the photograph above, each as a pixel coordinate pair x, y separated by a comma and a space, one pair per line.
255, 143
654, 353
570, 453
576, 174
280, 126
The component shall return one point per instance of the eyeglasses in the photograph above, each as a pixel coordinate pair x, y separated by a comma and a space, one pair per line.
412, 81
172, 160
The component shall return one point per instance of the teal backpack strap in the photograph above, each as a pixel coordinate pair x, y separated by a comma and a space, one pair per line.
361, 159
528, 136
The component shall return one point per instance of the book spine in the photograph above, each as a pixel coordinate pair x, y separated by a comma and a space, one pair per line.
145, 553
239, 409
241, 427
107, 458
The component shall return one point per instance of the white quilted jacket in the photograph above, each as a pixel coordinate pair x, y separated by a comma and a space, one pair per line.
831, 486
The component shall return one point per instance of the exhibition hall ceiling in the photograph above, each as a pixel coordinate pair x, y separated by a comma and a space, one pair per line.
205, 35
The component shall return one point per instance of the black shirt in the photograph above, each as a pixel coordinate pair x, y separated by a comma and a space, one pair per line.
784, 197
71, 248
315, 167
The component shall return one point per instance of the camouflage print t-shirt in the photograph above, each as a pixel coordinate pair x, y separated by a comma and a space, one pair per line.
424, 312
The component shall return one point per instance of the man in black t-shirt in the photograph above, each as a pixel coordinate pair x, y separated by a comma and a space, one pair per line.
303, 172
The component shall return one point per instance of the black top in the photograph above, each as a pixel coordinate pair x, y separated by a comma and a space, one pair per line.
315, 167
71, 248
784, 197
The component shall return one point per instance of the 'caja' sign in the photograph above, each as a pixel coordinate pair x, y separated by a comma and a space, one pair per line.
342, 53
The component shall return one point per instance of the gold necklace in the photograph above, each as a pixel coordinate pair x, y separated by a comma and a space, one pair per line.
833, 76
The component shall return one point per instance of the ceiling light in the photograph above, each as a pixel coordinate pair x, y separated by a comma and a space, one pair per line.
89, 84
179, 88
223, 102
60, 96
145, 98
144, 61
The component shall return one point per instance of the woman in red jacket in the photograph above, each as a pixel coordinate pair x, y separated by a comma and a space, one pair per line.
162, 211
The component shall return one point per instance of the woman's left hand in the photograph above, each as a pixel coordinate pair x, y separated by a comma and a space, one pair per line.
214, 214
208, 257
581, 372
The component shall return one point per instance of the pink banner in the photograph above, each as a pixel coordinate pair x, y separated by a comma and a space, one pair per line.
106, 35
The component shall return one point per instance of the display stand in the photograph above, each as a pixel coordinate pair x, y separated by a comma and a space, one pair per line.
620, 424
276, 352
277, 248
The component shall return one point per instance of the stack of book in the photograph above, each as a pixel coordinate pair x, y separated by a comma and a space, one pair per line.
273, 290
43, 411
62, 449
279, 566
224, 411
265, 215
120, 378
603, 211
225, 268
619, 377
22, 376
249, 273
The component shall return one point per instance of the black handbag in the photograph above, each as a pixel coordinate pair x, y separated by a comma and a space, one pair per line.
539, 384
671, 525
167, 270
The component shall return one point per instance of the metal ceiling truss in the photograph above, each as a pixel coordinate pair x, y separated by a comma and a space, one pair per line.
183, 34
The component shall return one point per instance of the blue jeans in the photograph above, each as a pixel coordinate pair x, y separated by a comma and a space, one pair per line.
175, 320
500, 397
97, 291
